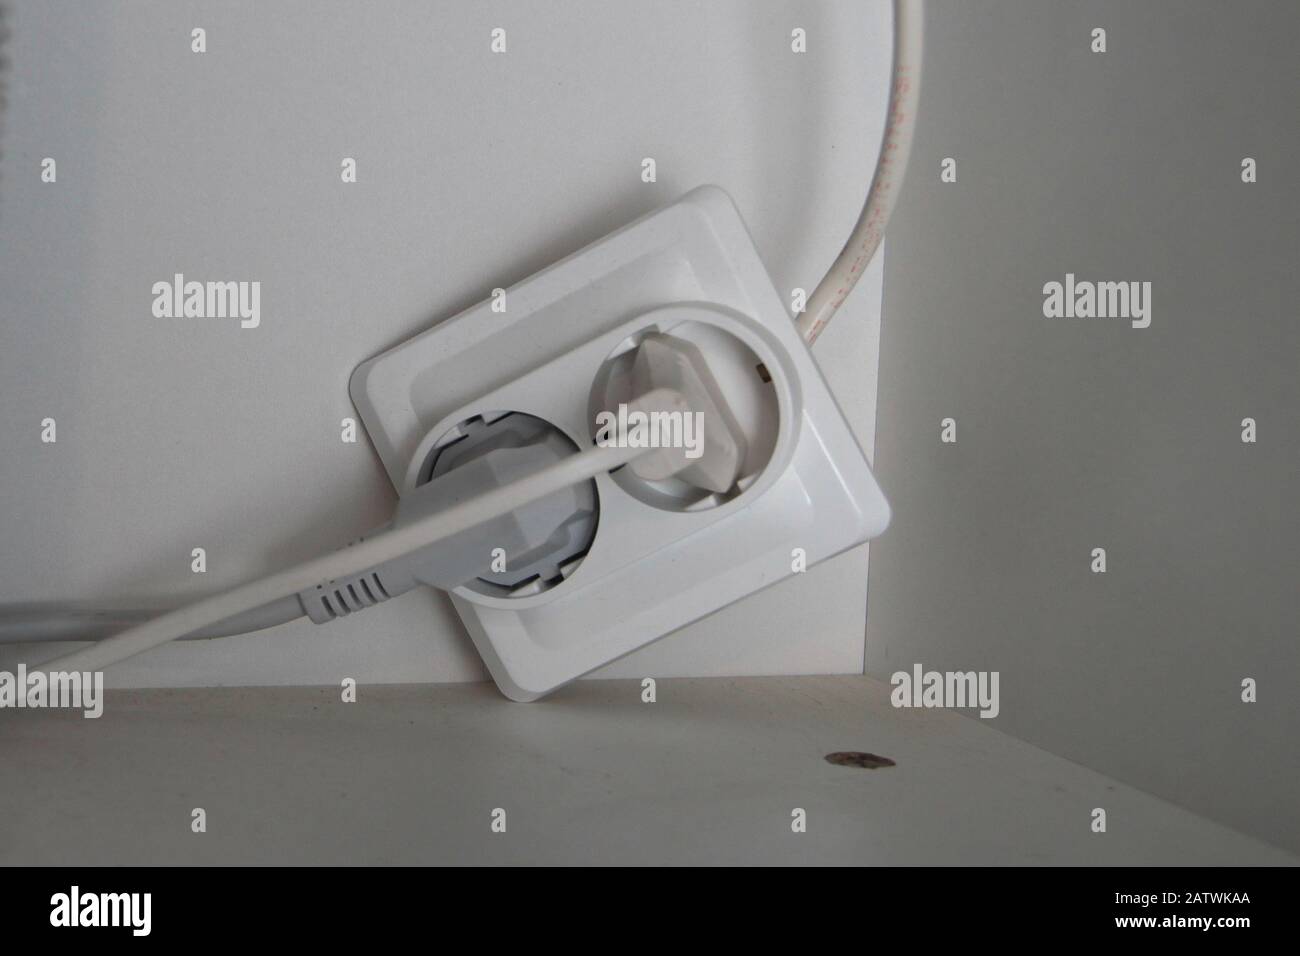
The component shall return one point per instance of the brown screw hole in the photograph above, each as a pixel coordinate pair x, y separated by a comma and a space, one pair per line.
857, 758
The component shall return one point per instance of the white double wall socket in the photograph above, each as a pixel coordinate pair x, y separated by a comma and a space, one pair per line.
559, 348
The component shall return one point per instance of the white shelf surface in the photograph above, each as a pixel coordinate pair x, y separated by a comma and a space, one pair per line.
708, 774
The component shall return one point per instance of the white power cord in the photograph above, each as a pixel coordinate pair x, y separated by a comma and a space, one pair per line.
356, 559
49, 622
891, 165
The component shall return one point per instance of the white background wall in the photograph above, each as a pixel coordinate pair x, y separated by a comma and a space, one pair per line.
475, 170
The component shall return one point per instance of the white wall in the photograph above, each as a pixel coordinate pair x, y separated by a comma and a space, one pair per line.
474, 171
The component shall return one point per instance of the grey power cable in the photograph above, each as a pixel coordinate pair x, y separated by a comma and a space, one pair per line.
399, 554
388, 546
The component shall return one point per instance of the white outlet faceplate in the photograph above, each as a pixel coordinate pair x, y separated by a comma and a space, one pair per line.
649, 571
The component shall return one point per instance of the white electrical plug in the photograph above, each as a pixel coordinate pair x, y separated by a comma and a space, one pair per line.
665, 362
